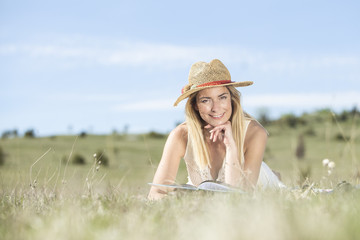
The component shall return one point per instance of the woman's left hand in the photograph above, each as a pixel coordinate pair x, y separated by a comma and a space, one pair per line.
222, 132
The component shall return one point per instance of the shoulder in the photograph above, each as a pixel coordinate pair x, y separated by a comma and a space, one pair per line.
179, 134
255, 134
176, 143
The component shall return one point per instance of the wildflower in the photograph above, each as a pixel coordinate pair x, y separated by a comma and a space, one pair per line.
325, 162
331, 165
94, 155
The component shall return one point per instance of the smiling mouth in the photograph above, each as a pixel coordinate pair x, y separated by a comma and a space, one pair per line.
217, 116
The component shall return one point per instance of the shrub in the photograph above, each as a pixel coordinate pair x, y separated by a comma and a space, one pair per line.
2, 157
29, 133
101, 158
341, 137
154, 134
78, 159
310, 131
9, 133
290, 120
83, 134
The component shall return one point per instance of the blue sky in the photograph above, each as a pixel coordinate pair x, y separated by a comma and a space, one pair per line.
71, 66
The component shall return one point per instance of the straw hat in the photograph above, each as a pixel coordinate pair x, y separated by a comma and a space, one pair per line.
205, 75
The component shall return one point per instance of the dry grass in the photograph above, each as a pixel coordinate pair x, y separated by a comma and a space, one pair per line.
43, 197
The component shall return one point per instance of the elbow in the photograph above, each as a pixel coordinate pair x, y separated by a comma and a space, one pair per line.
156, 194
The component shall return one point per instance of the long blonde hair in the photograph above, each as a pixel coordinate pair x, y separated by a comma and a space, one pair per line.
195, 126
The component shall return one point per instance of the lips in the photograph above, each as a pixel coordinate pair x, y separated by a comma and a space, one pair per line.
217, 116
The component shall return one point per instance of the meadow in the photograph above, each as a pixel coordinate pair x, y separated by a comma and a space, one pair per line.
45, 195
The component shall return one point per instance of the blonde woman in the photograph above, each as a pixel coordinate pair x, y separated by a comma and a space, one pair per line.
218, 141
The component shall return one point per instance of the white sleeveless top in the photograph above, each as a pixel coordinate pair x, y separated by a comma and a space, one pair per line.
196, 175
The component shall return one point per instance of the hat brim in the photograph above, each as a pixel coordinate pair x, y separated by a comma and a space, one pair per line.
191, 91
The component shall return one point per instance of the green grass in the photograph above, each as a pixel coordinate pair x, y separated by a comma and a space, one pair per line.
43, 196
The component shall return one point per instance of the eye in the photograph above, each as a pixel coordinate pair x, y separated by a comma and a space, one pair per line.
204, 101
223, 97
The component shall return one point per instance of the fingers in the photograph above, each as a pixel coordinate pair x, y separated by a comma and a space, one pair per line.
217, 133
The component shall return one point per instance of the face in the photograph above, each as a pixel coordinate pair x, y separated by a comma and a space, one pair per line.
214, 105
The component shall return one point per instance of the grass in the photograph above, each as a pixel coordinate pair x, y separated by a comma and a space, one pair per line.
44, 196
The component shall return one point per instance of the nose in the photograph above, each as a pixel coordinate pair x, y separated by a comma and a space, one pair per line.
215, 106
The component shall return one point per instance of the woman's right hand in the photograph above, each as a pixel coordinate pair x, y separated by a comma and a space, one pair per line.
223, 133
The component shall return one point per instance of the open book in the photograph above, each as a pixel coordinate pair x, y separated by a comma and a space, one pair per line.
208, 185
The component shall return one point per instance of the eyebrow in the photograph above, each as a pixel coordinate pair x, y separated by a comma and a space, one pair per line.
218, 96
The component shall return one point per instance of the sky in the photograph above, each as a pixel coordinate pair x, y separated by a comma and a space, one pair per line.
104, 66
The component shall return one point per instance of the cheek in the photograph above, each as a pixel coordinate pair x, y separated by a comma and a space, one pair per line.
203, 109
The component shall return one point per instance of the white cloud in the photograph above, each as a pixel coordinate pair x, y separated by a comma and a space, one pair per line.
304, 100
113, 52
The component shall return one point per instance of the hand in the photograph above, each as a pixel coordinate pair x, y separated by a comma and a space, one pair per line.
223, 133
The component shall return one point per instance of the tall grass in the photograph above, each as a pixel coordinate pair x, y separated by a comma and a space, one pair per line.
43, 197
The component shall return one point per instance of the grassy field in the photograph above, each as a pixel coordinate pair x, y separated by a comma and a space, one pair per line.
43, 195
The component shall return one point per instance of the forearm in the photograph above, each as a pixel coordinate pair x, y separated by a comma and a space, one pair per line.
233, 169
235, 175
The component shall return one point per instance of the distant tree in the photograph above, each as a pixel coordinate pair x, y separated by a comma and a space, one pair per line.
82, 134
154, 134
290, 120
355, 112
343, 117
9, 133
29, 133
263, 116
15, 133
2, 157
5, 135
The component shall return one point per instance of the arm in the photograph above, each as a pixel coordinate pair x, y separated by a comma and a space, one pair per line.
166, 172
254, 148
233, 171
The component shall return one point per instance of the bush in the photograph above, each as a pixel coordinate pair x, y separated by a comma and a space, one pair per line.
310, 131
29, 133
341, 137
83, 134
78, 159
154, 134
9, 134
101, 158
2, 157
290, 120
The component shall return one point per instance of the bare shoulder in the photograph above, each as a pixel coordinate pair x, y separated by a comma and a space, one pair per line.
179, 134
255, 133
176, 143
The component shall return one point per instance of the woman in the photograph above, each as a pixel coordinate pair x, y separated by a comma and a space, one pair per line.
218, 141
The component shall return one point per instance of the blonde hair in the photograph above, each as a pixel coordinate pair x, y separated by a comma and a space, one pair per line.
195, 126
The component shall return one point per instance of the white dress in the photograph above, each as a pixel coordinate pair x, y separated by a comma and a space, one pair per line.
266, 179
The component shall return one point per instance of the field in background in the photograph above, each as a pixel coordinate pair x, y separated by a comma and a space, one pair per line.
45, 195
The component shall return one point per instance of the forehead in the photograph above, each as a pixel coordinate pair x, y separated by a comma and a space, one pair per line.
212, 92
